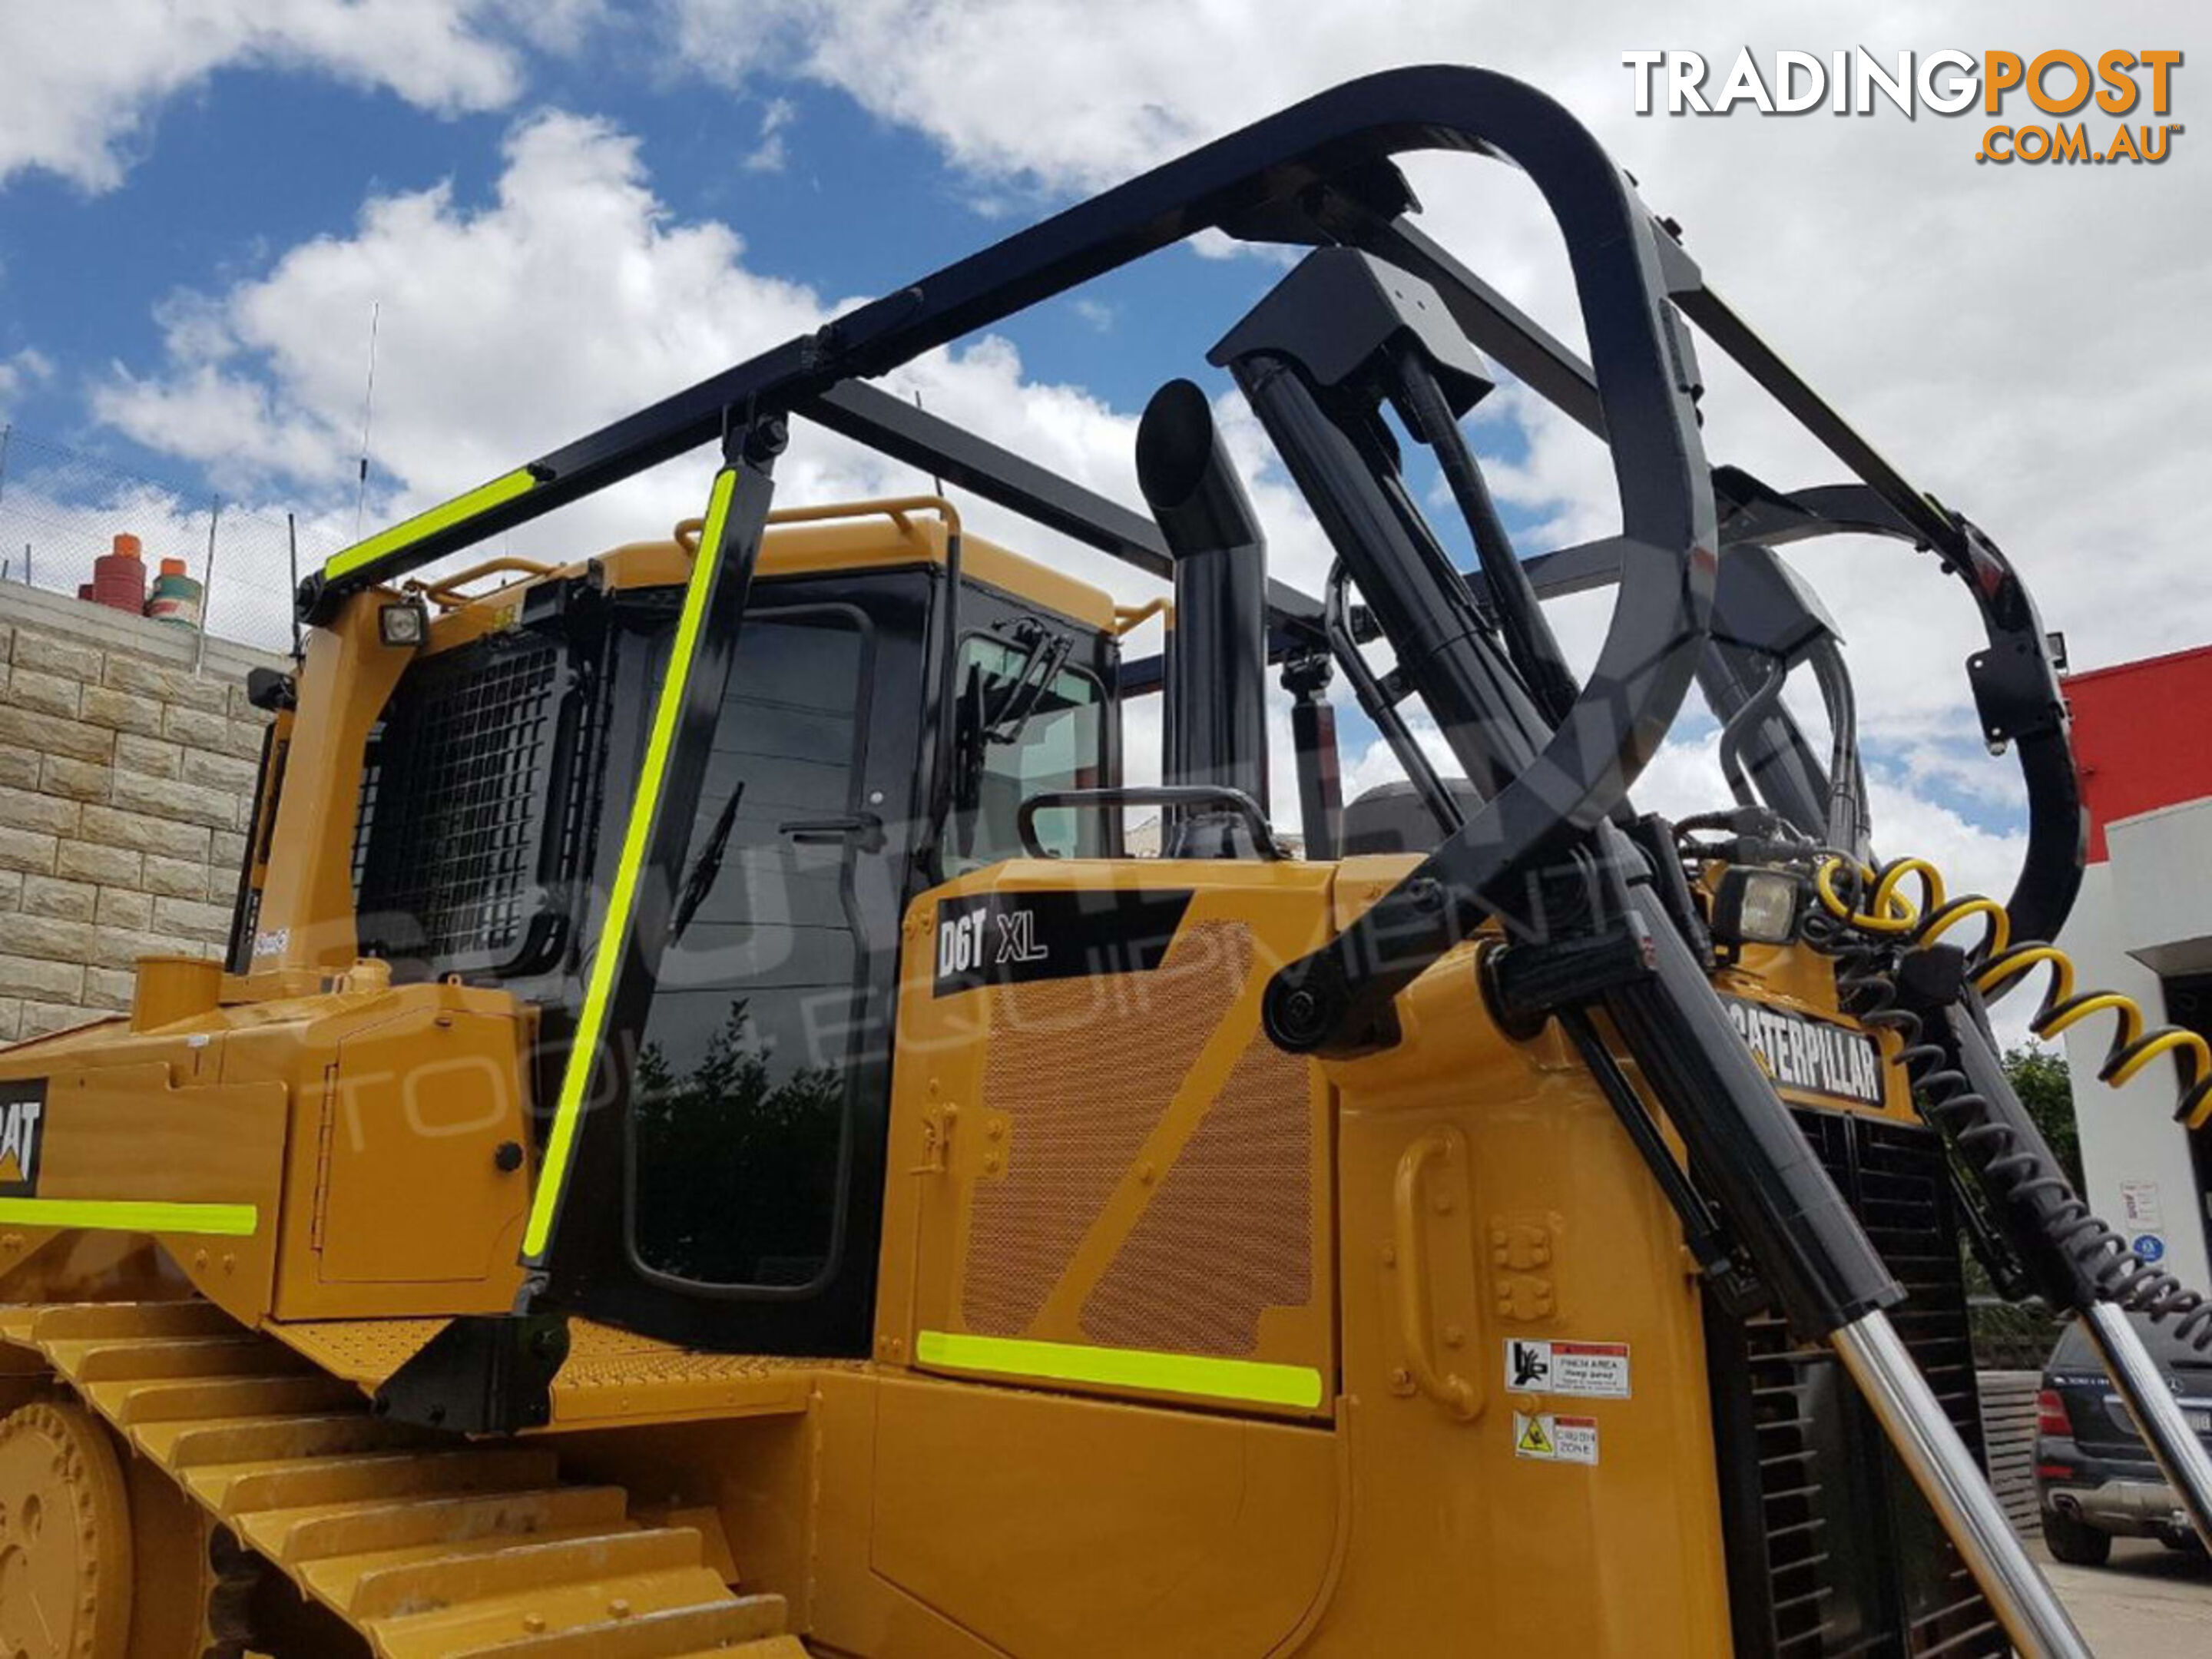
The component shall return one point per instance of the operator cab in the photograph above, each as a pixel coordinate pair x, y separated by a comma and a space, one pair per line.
495, 791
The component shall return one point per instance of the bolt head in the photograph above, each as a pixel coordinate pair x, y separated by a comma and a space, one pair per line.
768, 438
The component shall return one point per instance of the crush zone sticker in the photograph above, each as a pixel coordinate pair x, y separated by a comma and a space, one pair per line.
1550, 1438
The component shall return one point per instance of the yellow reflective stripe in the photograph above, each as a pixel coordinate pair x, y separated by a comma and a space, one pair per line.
614, 931
124, 1216
408, 532
1127, 1368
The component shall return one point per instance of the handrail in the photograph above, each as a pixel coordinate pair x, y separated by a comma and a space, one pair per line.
896, 508
440, 592
1186, 796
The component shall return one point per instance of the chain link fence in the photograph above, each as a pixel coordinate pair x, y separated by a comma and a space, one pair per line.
61, 510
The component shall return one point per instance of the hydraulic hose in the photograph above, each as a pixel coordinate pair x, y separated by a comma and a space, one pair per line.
1756, 707
2015, 1166
1997, 964
1891, 962
1529, 641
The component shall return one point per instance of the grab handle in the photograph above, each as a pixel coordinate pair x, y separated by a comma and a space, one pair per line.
1454, 1393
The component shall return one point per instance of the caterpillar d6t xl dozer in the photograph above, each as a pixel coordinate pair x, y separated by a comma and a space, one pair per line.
705, 1142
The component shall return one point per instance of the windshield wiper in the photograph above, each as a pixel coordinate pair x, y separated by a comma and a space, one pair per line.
1047, 653
706, 866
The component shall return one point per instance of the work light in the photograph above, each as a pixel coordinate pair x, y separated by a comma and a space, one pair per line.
402, 624
1757, 907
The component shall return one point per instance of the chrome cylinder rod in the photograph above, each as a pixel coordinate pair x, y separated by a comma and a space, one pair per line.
2136, 1374
1951, 1480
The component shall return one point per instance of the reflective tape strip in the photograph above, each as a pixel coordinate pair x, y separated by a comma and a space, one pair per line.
408, 532
614, 931
1127, 1368
125, 1216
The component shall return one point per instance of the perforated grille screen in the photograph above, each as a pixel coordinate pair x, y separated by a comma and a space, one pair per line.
454, 813
1083, 1068
1229, 1233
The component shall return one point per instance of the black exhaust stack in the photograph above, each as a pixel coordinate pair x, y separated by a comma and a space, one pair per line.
1216, 653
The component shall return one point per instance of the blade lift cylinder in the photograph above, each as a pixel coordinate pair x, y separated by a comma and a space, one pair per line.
1305, 359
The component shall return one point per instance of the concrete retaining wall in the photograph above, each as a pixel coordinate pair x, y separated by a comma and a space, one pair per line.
126, 784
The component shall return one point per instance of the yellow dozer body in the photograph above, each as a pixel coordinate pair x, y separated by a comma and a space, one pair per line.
1178, 1343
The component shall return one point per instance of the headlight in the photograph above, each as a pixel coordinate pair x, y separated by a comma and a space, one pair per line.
1757, 907
404, 623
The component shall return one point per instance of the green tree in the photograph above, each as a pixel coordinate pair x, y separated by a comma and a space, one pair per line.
737, 1167
2016, 1335
2040, 1078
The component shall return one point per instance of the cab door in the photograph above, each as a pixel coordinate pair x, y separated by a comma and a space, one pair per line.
732, 1200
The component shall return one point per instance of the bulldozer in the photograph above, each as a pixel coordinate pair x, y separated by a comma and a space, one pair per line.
707, 1140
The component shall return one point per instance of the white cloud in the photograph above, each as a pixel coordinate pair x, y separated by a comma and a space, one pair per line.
572, 297
28, 368
81, 82
567, 300
773, 151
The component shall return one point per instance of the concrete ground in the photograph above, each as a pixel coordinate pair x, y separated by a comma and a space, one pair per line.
2148, 1602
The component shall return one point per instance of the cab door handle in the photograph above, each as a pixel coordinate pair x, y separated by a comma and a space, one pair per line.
822, 832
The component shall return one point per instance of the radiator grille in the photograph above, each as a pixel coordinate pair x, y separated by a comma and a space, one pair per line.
1229, 1233
1854, 1562
448, 849
1083, 1068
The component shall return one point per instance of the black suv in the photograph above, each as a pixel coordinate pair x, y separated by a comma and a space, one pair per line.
2093, 1472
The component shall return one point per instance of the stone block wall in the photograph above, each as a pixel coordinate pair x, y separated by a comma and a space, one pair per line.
127, 787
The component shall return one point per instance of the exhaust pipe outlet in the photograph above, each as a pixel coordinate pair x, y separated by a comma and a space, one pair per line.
1216, 653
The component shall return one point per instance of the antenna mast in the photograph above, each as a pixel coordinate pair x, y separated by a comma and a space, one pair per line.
367, 409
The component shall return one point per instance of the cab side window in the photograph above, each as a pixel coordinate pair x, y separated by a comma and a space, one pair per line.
1028, 724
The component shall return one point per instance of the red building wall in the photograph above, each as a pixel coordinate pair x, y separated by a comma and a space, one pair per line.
2142, 736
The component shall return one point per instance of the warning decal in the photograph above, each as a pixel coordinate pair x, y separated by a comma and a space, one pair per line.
1550, 1438
1594, 1370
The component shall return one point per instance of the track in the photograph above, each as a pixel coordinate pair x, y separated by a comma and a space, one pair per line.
425, 1546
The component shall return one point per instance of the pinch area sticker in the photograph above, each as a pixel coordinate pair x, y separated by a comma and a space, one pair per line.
1593, 1371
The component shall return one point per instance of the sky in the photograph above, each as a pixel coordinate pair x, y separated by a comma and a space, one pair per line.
557, 211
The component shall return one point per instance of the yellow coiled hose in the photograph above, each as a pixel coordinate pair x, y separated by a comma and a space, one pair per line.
1995, 962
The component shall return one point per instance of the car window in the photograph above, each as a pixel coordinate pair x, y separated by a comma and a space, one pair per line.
2076, 1352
